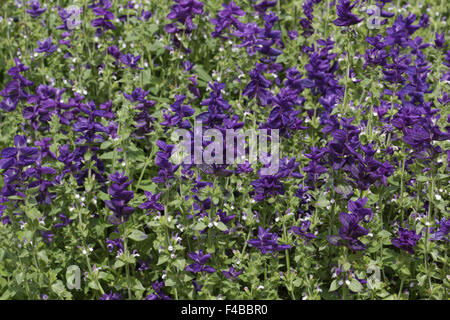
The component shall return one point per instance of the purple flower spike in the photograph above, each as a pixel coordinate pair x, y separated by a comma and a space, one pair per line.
302, 231
345, 16
36, 9
231, 273
46, 46
199, 264
258, 85
407, 240
119, 199
111, 296
267, 242
159, 294
151, 204
183, 12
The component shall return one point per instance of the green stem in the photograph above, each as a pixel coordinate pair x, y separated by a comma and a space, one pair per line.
127, 267
400, 290
326, 19
429, 215
27, 288
288, 265
402, 173
85, 247
344, 108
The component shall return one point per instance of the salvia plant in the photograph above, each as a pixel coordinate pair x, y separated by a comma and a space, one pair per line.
98, 202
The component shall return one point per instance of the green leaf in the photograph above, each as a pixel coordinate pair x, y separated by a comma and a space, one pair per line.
138, 285
118, 264
384, 234
334, 286
105, 145
33, 213
7, 294
322, 202
344, 190
202, 74
170, 283
199, 226
107, 155
93, 285
43, 256
137, 235
297, 282
187, 277
114, 236
355, 285
221, 226
422, 178
175, 203
102, 196
60, 290
180, 263
162, 259
405, 271
152, 28
346, 266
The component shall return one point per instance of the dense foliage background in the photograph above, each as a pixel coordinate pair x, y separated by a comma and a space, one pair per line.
91, 91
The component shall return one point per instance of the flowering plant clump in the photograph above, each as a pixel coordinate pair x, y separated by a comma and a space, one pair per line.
314, 161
